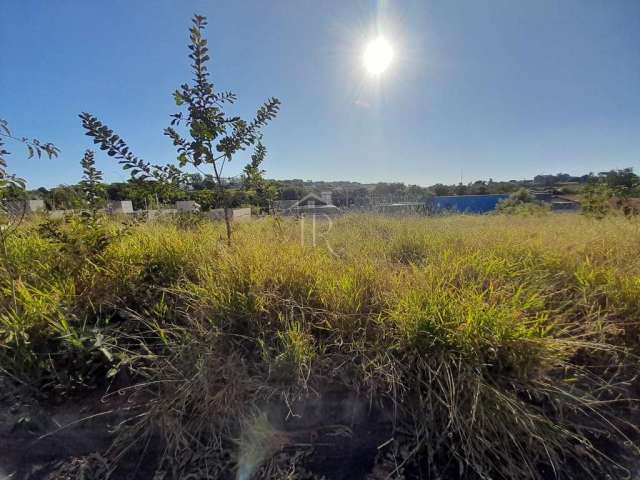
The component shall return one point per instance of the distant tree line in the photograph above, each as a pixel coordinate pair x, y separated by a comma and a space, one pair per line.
620, 183
144, 195
246, 190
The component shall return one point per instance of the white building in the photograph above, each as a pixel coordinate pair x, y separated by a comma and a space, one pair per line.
327, 198
120, 207
187, 206
235, 214
24, 207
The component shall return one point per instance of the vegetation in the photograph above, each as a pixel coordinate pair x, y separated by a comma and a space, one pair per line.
253, 179
33, 146
491, 347
522, 202
622, 186
216, 136
494, 347
595, 200
12, 186
91, 182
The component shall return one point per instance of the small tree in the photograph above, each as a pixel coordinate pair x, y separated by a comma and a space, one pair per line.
595, 200
253, 178
624, 186
215, 135
521, 202
84, 238
517, 198
91, 182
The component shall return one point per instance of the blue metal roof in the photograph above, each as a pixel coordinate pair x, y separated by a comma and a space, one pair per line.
467, 203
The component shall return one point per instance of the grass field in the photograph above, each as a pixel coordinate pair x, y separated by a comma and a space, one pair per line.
460, 347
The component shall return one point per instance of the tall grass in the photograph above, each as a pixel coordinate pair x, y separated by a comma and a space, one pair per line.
505, 346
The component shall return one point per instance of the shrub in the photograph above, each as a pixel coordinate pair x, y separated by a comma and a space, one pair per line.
521, 202
595, 200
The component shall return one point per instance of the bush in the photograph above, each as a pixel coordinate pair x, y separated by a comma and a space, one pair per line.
521, 202
595, 200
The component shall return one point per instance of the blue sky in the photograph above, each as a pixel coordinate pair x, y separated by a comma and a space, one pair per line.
502, 89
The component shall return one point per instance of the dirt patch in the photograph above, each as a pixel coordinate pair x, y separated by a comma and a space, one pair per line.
332, 438
335, 437
36, 435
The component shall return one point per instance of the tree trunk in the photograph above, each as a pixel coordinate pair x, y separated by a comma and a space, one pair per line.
227, 220
223, 193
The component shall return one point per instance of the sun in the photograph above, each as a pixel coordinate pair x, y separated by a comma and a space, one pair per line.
377, 56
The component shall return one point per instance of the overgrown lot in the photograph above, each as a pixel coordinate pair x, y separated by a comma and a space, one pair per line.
456, 347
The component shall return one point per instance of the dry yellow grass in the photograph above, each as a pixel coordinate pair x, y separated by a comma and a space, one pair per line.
507, 342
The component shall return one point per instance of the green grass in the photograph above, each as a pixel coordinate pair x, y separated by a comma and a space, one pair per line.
508, 343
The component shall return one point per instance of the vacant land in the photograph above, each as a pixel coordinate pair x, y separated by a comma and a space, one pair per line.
456, 347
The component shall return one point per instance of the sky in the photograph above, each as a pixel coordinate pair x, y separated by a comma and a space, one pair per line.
496, 89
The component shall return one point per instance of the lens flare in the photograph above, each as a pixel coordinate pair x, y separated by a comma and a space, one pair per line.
377, 56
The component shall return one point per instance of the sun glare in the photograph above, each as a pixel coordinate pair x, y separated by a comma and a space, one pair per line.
377, 56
